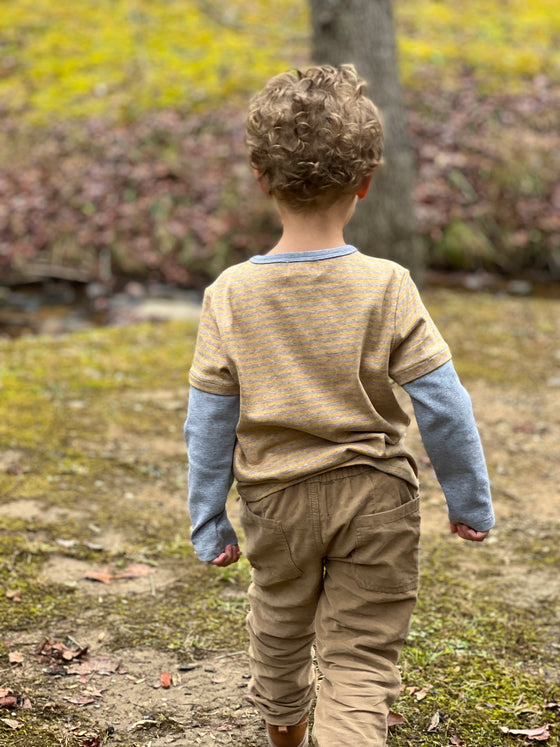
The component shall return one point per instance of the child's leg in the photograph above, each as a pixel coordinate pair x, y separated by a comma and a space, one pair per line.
365, 608
287, 581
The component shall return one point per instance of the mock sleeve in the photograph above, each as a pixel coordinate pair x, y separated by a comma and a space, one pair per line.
212, 370
445, 418
417, 345
210, 434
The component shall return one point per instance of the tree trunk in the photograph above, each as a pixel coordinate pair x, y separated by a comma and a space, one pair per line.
362, 32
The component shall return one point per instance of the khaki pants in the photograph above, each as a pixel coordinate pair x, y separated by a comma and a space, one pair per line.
335, 563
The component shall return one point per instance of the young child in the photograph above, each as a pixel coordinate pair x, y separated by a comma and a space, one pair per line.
292, 394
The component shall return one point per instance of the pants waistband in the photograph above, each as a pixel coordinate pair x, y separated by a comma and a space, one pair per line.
340, 473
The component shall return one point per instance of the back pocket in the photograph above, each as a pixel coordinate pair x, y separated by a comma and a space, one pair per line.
267, 549
385, 557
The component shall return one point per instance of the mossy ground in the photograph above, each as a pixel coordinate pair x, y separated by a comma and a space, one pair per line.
93, 474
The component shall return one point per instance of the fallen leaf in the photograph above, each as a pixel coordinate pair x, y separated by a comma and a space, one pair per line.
14, 596
165, 680
143, 722
15, 658
105, 577
81, 700
434, 723
7, 701
136, 570
94, 692
420, 694
540, 734
99, 664
394, 719
66, 543
456, 741
4, 691
12, 723
58, 650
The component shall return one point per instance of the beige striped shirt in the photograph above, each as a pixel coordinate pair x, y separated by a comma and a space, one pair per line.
312, 348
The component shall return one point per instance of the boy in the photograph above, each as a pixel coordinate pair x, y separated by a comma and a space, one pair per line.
291, 394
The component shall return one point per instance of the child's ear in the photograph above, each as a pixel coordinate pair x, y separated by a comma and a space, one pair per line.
362, 192
262, 181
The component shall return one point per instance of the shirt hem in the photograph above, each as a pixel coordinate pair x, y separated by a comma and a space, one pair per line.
211, 387
252, 492
422, 369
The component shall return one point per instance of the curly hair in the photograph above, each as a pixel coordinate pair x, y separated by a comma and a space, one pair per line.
313, 135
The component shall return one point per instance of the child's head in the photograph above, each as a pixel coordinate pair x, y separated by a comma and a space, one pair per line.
313, 136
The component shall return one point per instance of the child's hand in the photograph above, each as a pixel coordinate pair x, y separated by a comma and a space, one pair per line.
466, 533
230, 555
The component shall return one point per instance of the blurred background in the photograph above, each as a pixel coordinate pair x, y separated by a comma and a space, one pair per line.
122, 163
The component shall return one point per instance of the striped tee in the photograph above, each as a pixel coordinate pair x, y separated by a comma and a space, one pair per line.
312, 343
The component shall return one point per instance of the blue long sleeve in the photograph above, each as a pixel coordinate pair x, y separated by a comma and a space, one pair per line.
210, 435
447, 426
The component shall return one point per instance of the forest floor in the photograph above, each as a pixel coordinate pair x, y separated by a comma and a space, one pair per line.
111, 632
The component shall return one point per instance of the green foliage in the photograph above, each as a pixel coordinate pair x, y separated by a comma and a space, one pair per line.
129, 56
502, 43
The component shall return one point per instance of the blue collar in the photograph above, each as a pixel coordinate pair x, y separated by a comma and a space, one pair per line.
312, 256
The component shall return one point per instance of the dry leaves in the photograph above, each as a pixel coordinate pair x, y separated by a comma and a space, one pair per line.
15, 658
12, 723
96, 665
419, 692
540, 734
68, 544
59, 651
394, 719
80, 700
7, 700
435, 722
135, 570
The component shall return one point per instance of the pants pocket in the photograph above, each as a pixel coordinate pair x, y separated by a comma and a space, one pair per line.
385, 556
267, 549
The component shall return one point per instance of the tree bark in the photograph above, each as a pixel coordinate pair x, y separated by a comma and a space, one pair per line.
362, 32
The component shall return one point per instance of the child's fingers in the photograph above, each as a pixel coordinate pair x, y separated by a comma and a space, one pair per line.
466, 533
231, 554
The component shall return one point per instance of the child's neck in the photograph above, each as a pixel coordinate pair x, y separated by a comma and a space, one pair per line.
310, 231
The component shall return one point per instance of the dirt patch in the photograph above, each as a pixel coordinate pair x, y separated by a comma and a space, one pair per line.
99, 580
31, 510
199, 703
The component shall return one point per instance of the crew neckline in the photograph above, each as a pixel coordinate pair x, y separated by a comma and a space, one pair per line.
310, 256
